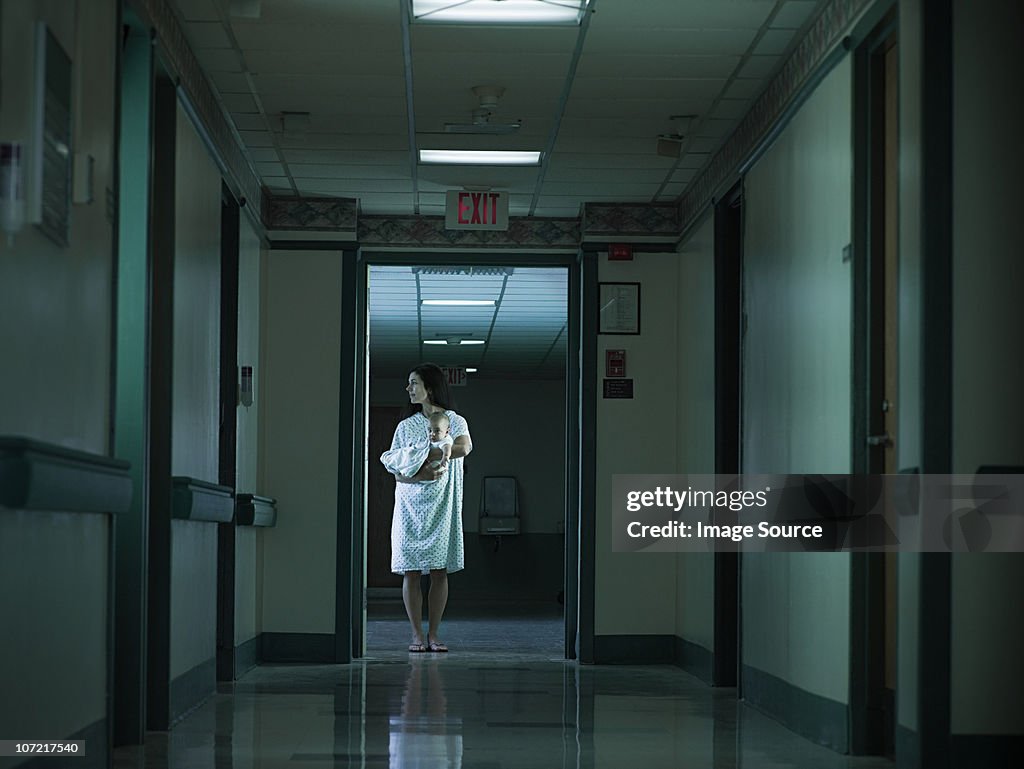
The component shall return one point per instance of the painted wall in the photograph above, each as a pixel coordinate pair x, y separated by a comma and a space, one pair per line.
54, 661
635, 592
55, 301
196, 379
193, 595
988, 369
195, 406
300, 368
247, 431
55, 348
695, 404
797, 376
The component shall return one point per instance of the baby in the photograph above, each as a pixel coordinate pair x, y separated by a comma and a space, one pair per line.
439, 437
407, 460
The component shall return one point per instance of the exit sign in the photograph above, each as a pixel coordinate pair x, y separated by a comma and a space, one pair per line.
468, 210
455, 375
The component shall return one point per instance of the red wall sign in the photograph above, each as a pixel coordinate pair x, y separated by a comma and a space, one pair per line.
469, 210
620, 252
614, 363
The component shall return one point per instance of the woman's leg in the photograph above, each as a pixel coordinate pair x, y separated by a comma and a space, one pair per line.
436, 601
412, 596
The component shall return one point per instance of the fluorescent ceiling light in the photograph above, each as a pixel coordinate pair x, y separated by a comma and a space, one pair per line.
460, 302
435, 341
499, 11
470, 370
480, 157
472, 341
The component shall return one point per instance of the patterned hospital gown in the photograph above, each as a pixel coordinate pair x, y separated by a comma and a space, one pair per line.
426, 531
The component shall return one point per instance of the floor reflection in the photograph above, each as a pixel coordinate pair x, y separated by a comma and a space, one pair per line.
425, 735
499, 707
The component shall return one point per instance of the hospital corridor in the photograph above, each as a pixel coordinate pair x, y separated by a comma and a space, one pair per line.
511, 384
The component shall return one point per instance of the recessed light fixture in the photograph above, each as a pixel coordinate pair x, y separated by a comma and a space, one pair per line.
480, 157
459, 302
499, 11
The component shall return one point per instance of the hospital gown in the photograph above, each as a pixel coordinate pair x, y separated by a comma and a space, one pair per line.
426, 531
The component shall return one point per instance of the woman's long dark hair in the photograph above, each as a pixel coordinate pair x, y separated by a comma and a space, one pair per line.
436, 385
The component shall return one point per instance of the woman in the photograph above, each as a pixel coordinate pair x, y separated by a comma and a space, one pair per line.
426, 531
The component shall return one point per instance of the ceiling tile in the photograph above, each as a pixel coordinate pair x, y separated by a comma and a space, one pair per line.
207, 34
242, 103
219, 60
759, 66
794, 13
775, 41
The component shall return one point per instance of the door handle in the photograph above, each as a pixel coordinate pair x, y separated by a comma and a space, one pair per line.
880, 440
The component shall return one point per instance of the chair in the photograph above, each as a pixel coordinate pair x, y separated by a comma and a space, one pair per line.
499, 505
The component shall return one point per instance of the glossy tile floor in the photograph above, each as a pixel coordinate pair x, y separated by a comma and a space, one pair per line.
502, 697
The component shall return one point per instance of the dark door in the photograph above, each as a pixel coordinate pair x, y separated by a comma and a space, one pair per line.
380, 498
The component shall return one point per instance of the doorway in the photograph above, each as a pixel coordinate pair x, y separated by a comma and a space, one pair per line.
506, 330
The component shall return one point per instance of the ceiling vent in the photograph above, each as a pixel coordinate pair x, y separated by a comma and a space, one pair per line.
669, 145
471, 270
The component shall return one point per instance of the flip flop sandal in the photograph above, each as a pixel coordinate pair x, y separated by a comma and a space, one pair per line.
417, 648
437, 646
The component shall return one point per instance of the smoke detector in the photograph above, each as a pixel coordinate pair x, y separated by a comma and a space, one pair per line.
488, 97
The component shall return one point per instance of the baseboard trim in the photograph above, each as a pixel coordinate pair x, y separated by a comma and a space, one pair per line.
695, 660
297, 647
819, 719
191, 689
908, 748
634, 649
246, 656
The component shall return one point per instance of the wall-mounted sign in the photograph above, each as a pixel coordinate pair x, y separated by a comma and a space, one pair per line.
619, 306
620, 252
468, 210
615, 363
618, 388
456, 375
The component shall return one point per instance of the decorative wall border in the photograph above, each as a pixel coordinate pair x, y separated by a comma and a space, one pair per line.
825, 34
313, 214
192, 81
430, 232
637, 219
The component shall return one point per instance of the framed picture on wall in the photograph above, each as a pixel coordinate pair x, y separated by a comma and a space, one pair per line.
619, 307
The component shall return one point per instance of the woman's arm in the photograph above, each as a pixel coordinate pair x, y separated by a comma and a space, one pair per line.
426, 472
462, 446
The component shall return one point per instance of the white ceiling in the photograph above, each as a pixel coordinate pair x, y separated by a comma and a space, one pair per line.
524, 333
345, 63
595, 97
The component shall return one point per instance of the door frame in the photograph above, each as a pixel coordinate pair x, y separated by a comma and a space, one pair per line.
580, 466
872, 714
729, 328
